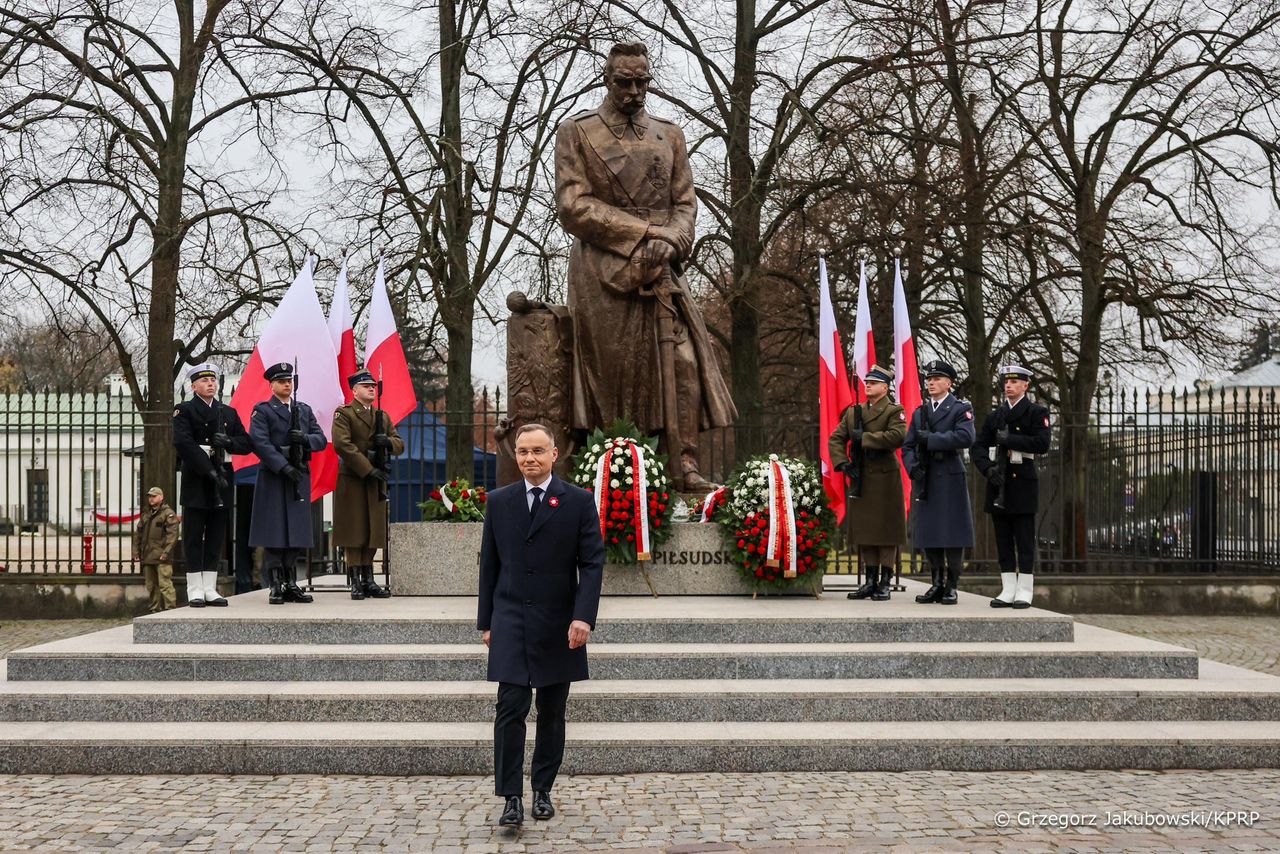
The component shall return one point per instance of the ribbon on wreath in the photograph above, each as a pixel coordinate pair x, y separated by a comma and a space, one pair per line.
602, 489
444, 499
603, 493
709, 503
642, 502
781, 549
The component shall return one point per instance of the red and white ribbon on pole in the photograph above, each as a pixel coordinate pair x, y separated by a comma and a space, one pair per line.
642, 502
709, 503
781, 549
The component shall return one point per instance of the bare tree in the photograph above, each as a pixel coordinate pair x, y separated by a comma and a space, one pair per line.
68, 352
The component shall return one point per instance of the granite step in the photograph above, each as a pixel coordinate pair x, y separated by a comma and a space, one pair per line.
1221, 693
111, 655
336, 620
629, 748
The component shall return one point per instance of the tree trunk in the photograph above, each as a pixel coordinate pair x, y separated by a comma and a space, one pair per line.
457, 309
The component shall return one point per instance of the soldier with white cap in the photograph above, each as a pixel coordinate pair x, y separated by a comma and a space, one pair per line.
1011, 438
206, 432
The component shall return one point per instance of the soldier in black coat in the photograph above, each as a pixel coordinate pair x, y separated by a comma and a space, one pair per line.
1005, 454
541, 566
206, 432
284, 434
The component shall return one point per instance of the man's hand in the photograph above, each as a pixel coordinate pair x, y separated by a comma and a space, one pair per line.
485, 637
578, 634
658, 252
292, 473
1002, 437
856, 437
846, 468
297, 437
918, 476
378, 474
220, 440
382, 440
922, 438
994, 477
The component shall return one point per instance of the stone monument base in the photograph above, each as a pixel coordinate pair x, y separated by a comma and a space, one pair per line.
443, 559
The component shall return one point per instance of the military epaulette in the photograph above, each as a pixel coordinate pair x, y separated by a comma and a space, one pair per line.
661, 119
585, 114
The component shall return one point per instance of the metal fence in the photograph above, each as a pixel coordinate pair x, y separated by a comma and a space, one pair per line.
1149, 483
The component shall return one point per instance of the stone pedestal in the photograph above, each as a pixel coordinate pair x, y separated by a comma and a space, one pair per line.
443, 559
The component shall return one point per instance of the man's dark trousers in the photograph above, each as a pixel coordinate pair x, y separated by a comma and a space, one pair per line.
203, 532
509, 735
1015, 541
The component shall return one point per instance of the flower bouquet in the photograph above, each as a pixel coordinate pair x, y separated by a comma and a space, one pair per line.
455, 501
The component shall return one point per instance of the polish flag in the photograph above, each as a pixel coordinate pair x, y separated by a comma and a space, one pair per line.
907, 377
342, 332
297, 331
864, 344
384, 356
833, 391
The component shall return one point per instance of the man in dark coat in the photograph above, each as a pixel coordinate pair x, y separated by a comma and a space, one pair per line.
1005, 453
361, 434
206, 432
941, 428
864, 445
541, 566
625, 191
284, 434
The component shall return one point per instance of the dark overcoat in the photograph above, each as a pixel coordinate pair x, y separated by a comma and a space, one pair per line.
194, 423
1029, 433
945, 519
280, 520
878, 518
536, 577
359, 512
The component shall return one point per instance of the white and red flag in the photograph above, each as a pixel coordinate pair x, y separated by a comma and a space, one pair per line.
384, 355
907, 371
342, 332
834, 396
864, 345
297, 333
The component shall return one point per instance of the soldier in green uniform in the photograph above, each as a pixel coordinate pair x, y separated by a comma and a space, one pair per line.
864, 447
361, 433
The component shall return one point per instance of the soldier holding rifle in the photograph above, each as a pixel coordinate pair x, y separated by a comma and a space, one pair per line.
1005, 455
365, 440
206, 432
284, 434
862, 447
941, 428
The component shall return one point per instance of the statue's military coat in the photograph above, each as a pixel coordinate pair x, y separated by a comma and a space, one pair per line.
280, 520
614, 176
945, 519
359, 515
194, 423
536, 577
878, 517
1029, 432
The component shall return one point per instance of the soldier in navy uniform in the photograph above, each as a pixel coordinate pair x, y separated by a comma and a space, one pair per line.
282, 497
941, 428
206, 432
1005, 455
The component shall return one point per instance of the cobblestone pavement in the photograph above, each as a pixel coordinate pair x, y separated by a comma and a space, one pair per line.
1252, 642
16, 634
933, 811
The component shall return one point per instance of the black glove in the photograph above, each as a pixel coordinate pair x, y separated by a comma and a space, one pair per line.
292, 473
220, 440
297, 437
378, 474
922, 438
856, 437
1002, 437
846, 467
994, 477
382, 440
918, 476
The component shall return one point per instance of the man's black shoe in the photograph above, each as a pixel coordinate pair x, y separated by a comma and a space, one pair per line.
542, 808
513, 815
293, 593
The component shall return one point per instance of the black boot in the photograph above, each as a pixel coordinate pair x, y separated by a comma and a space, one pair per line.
949, 594
934, 593
881, 593
356, 582
292, 592
276, 597
371, 587
868, 587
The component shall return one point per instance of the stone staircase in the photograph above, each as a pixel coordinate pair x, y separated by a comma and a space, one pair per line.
679, 684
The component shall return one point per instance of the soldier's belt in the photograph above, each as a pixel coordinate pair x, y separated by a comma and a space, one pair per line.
939, 456
875, 454
656, 216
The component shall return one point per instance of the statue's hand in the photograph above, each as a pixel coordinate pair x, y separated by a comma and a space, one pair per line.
678, 239
658, 252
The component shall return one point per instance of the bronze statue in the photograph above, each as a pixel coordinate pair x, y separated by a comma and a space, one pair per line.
625, 192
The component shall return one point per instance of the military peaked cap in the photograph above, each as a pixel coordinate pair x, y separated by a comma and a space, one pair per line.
939, 368
279, 371
361, 378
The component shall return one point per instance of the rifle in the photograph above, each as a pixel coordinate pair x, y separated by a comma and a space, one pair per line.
853, 479
297, 451
921, 492
378, 455
219, 456
1002, 467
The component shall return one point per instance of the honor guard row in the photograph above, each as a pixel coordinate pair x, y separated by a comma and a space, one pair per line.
863, 447
284, 434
